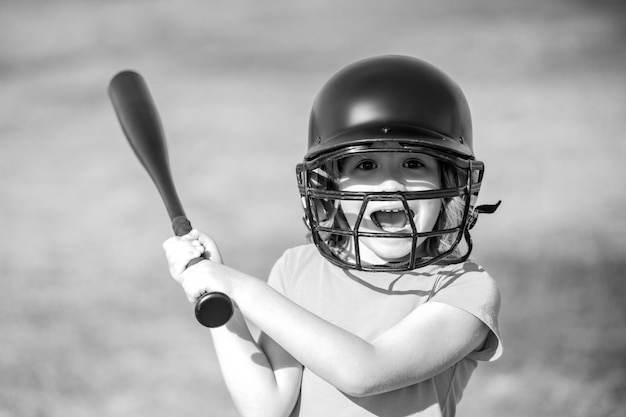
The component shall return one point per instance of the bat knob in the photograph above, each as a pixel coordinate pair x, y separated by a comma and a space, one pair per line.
214, 309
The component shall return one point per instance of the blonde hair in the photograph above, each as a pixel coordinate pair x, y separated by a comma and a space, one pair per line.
452, 213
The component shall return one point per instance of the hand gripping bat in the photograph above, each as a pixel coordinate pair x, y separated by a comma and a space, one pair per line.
141, 124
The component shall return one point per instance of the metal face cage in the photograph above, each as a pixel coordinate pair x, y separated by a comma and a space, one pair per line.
343, 243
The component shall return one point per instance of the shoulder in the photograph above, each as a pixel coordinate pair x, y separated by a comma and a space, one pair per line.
292, 262
469, 287
298, 255
306, 250
468, 277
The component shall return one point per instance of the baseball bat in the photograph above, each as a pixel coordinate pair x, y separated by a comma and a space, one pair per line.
141, 123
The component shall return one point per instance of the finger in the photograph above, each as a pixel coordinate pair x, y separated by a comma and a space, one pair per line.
197, 245
179, 258
211, 250
190, 239
181, 252
171, 242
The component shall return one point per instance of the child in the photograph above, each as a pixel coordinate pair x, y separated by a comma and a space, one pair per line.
383, 314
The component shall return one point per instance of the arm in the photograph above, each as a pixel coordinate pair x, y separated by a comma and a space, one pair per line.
429, 340
262, 378
425, 343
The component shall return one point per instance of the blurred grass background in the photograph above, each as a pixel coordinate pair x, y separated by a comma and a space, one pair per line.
91, 324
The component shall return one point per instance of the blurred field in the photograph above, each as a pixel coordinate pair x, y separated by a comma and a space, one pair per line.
90, 323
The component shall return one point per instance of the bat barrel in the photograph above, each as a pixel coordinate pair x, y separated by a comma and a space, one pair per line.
141, 123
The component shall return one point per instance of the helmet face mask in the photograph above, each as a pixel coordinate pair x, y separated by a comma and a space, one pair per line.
399, 105
346, 225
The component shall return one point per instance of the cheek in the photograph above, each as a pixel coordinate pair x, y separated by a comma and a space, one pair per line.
349, 184
426, 214
423, 184
351, 210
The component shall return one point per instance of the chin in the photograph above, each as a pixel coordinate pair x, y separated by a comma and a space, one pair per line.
380, 251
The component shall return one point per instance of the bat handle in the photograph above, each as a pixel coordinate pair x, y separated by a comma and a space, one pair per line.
213, 309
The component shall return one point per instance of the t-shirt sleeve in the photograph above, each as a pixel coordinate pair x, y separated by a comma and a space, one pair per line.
277, 274
478, 294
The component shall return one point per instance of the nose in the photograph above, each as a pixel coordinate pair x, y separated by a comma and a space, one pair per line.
393, 178
392, 185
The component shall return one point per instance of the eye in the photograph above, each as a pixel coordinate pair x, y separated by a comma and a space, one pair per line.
413, 164
366, 165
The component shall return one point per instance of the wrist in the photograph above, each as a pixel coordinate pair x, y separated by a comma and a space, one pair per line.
234, 283
245, 290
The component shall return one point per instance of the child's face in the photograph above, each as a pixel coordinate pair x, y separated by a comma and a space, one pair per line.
390, 172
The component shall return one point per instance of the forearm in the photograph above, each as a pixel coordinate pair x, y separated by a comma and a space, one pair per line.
257, 386
327, 350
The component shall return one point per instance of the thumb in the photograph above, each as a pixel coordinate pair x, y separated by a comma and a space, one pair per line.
192, 235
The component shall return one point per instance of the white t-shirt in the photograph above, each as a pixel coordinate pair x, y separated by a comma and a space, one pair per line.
369, 303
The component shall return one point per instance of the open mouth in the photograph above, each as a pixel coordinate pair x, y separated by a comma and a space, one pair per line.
390, 220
